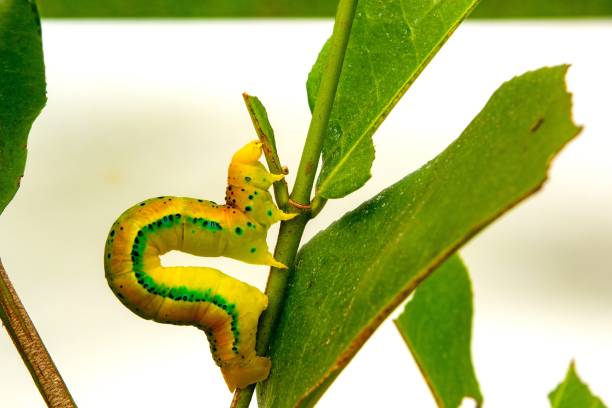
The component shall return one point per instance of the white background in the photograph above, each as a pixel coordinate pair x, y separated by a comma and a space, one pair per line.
140, 109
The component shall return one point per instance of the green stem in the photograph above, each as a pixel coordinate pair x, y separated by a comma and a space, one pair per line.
317, 205
291, 231
289, 239
325, 100
31, 348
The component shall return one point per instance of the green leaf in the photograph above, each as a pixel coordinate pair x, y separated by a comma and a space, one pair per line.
390, 44
22, 89
573, 393
349, 277
264, 130
265, 133
437, 327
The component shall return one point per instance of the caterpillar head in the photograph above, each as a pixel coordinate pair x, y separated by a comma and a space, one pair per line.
246, 171
249, 153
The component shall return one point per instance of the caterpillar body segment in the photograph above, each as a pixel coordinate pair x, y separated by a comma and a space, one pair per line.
226, 309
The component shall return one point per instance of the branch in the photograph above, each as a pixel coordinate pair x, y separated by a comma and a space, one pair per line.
30, 346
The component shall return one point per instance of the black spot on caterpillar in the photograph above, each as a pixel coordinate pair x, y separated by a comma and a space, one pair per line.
226, 309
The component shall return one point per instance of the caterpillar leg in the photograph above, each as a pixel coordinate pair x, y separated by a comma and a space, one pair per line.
256, 253
242, 376
273, 262
283, 216
280, 215
276, 177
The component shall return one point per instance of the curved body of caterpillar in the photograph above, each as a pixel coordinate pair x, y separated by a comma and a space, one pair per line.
225, 308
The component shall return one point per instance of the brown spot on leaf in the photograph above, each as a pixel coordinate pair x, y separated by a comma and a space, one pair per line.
536, 125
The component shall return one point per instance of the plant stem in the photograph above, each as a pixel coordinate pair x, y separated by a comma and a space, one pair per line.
325, 100
289, 239
291, 231
317, 205
31, 348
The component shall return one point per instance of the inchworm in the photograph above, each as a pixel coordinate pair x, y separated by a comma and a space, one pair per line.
224, 307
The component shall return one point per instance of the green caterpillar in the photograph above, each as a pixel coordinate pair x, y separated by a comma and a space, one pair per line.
226, 309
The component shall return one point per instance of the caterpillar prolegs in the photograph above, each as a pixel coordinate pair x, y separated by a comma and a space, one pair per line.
226, 309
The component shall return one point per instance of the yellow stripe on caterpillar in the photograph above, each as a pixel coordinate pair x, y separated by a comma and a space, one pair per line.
226, 309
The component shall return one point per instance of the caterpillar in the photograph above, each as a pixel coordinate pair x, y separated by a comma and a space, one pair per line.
226, 309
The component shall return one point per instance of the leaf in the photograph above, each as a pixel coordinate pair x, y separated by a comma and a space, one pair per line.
437, 327
264, 130
265, 133
390, 44
22, 89
349, 277
573, 393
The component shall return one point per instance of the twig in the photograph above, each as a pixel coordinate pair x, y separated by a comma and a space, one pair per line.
30, 346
